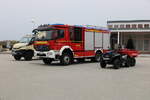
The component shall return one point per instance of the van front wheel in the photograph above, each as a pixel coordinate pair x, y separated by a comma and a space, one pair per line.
28, 56
17, 57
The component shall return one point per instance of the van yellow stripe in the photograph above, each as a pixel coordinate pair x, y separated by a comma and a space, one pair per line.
41, 42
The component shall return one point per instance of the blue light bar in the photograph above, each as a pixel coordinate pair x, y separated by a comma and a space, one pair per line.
57, 24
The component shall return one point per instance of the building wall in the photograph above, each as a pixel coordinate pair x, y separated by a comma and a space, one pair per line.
138, 31
129, 25
141, 40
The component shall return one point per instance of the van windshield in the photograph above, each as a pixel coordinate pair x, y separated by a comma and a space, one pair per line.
49, 35
25, 40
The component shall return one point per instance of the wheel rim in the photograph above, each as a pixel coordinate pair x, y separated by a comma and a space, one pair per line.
67, 59
98, 57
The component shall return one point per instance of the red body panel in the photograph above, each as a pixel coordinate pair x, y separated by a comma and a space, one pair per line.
78, 48
131, 53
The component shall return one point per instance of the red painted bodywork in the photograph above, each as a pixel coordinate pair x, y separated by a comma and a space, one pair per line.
78, 48
131, 53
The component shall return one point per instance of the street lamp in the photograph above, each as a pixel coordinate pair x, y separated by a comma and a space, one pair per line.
34, 23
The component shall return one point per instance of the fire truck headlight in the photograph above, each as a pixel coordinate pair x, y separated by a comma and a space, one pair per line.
50, 53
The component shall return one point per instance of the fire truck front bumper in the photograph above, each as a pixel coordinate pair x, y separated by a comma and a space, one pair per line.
48, 54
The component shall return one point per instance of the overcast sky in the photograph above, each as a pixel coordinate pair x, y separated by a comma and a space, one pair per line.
16, 15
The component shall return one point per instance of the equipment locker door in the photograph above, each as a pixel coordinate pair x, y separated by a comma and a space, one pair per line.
89, 41
98, 40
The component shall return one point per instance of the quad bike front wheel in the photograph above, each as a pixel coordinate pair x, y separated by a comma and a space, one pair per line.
103, 64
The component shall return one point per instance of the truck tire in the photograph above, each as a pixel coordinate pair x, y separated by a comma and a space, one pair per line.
47, 61
132, 62
28, 56
66, 59
16, 57
117, 63
103, 64
97, 57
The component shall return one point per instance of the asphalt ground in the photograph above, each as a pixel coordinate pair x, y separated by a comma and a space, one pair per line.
32, 80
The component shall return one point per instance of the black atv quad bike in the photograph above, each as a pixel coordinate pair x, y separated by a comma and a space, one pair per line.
120, 58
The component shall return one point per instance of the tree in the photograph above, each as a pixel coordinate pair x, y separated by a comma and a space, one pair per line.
130, 44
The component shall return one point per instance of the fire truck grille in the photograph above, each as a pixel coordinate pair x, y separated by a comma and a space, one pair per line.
42, 48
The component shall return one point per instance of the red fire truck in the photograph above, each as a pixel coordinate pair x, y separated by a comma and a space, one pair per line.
69, 42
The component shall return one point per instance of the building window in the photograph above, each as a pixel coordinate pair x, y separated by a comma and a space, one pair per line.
146, 45
121, 26
134, 26
140, 26
146, 25
115, 26
128, 26
140, 45
146, 35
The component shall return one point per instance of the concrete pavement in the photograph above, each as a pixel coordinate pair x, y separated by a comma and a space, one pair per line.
32, 80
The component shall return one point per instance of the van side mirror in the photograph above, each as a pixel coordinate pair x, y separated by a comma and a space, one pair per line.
31, 41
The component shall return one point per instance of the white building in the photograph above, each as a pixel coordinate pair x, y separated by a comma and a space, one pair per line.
137, 30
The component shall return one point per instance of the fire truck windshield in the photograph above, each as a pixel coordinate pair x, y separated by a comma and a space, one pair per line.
49, 35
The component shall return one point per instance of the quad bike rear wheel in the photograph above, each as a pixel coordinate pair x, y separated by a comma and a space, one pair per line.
103, 64
117, 63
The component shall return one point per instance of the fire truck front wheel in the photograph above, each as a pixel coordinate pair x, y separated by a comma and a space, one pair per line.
66, 59
47, 61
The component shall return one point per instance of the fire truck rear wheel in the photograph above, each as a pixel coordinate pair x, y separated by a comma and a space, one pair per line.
66, 59
47, 61
17, 57
97, 57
